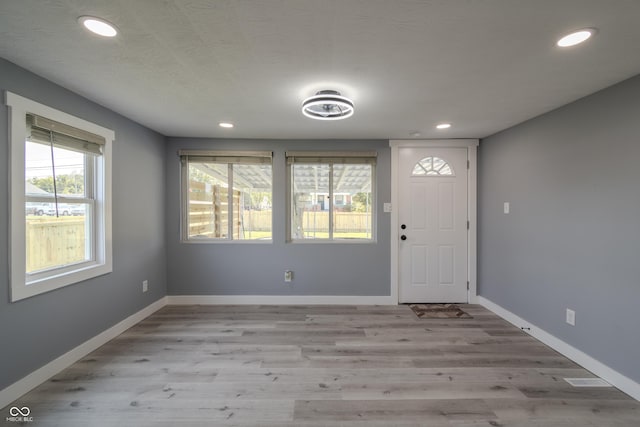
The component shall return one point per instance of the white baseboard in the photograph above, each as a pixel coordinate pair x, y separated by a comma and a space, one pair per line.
279, 300
37, 377
611, 376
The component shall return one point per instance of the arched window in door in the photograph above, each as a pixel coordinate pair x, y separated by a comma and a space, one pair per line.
432, 166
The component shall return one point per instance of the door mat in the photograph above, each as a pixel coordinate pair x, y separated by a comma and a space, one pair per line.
439, 311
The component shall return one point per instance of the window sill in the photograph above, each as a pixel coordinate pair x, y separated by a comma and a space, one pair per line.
332, 242
53, 282
226, 242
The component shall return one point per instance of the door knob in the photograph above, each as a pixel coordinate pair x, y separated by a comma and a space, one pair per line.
403, 226
403, 237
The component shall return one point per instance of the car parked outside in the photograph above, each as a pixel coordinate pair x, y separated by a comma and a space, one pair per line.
33, 208
39, 209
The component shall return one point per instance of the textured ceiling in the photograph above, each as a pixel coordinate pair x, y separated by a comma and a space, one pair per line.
181, 66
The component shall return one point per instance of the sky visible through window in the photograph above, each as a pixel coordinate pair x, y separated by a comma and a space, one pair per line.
38, 161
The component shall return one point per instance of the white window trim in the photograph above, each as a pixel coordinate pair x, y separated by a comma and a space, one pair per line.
103, 262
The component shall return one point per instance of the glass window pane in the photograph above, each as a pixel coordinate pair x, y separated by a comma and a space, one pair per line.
57, 235
55, 242
438, 163
352, 216
208, 213
418, 169
252, 184
69, 171
432, 166
310, 204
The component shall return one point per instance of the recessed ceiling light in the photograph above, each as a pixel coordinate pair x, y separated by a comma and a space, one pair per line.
225, 125
576, 37
327, 105
443, 126
98, 26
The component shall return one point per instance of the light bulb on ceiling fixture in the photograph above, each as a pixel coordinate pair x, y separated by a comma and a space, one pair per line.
98, 26
576, 37
327, 105
225, 125
443, 126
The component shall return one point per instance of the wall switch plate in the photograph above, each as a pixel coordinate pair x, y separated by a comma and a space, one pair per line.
507, 207
145, 285
571, 317
386, 207
288, 275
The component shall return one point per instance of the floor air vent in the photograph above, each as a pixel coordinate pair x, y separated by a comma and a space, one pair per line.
587, 382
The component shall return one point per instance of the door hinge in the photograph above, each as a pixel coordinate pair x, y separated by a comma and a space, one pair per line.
467, 225
468, 164
467, 285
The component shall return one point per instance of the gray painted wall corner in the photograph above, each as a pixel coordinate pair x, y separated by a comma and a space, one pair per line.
39, 329
572, 238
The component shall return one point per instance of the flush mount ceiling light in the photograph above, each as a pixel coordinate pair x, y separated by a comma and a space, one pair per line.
98, 26
327, 105
225, 125
443, 126
576, 37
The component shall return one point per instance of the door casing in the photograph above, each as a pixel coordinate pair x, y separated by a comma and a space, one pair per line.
472, 151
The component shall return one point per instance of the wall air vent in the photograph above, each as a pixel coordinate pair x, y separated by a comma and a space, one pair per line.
587, 382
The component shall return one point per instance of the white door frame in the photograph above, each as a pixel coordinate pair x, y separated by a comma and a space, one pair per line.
472, 152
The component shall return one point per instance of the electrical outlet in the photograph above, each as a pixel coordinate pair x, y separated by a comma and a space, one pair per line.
288, 275
571, 317
145, 285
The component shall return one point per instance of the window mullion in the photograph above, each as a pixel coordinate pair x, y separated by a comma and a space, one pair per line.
184, 194
91, 226
91, 251
230, 202
331, 201
89, 184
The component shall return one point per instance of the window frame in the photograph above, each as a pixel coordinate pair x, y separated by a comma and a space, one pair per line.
332, 158
25, 285
183, 156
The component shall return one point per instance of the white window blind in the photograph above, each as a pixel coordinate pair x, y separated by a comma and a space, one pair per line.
336, 157
242, 157
42, 130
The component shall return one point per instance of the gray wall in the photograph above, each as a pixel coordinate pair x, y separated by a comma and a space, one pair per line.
258, 268
572, 239
36, 330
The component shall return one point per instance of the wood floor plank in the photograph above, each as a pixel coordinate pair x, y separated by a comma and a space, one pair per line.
431, 412
317, 366
563, 409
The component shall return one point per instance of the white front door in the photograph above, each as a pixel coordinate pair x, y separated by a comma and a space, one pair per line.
432, 216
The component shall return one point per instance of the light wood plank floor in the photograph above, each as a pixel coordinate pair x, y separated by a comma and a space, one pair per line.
314, 366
